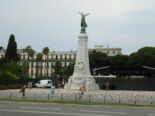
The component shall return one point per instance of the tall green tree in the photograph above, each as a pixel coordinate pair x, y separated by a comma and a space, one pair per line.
119, 60
10, 73
11, 51
58, 69
39, 65
145, 57
45, 52
31, 53
24, 67
57, 74
97, 60
68, 71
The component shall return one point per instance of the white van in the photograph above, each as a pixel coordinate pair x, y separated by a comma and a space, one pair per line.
44, 83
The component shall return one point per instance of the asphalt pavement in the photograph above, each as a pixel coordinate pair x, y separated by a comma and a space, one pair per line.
41, 109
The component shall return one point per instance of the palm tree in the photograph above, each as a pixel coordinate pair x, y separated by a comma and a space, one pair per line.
24, 66
30, 52
45, 52
38, 68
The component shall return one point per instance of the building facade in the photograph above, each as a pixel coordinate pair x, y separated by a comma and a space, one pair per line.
43, 68
108, 51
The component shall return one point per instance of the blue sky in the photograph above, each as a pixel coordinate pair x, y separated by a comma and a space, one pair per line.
128, 24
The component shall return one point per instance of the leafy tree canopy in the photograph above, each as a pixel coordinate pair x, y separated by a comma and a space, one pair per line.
45, 50
30, 51
11, 51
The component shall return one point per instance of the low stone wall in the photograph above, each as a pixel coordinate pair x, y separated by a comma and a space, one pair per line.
129, 97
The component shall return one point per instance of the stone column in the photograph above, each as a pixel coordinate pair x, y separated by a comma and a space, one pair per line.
81, 75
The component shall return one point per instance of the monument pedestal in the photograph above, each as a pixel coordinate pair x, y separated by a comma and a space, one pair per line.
81, 76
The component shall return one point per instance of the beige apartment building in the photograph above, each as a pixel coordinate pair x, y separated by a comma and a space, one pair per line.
107, 50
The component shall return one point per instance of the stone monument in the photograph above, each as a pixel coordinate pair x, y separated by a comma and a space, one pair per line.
81, 75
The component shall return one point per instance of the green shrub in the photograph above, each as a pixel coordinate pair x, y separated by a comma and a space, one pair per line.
7, 78
3, 87
15, 86
12, 86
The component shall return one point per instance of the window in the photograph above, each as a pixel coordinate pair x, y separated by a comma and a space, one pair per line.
49, 82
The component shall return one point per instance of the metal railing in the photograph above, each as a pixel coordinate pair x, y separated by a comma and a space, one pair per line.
104, 97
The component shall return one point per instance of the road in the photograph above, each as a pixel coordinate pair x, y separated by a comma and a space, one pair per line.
41, 109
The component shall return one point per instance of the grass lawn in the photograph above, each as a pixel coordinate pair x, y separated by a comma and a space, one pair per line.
78, 102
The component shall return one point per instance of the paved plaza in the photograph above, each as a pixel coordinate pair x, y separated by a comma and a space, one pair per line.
105, 96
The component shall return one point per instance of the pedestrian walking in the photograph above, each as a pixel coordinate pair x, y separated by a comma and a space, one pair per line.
107, 85
22, 91
52, 89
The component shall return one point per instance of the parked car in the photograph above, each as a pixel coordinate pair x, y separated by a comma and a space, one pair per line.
44, 83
